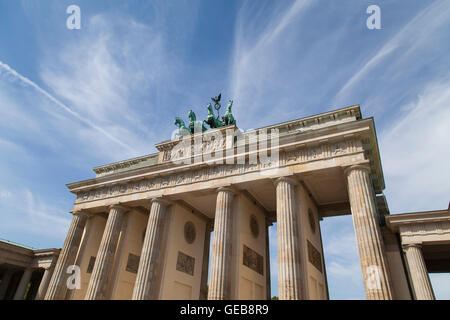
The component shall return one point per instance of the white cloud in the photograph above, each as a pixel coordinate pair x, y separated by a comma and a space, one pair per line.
342, 243
25, 213
97, 86
106, 74
42, 216
344, 272
8, 147
16, 76
262, 50
5, 194
417, 33
415, 152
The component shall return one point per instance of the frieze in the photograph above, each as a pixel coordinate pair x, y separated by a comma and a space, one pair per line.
301, 155
181, 151
322, 151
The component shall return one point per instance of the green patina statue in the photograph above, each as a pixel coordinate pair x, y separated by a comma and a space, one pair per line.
212, 120
182, 129
228, 118
194, 125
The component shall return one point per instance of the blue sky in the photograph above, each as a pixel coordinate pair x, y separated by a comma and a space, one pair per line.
71, 100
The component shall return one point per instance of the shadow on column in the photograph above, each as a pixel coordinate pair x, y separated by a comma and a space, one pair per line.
13, 284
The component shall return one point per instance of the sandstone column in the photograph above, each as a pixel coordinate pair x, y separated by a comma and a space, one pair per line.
82, 247
268, 285
57, 287
22, 287
43, 286
418, 272
145, 279
289, 277
368, 234
219, 283
105, 257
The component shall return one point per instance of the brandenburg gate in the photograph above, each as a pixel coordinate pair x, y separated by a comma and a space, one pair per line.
143, 228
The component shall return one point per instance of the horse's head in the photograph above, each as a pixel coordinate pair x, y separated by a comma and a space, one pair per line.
178, 122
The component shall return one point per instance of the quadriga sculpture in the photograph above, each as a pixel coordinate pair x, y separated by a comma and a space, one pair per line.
211, 120
228, 118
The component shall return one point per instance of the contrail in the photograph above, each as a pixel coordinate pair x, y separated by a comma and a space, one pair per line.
27, 81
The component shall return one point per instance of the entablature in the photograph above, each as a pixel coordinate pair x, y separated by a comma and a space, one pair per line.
337, 145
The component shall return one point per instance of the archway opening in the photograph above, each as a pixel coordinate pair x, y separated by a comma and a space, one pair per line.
342, 263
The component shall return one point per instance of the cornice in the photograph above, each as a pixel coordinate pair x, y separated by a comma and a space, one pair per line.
113, 167
351, 111
395, 221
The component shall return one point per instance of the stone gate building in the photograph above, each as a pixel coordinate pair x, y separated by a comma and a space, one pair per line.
141, 229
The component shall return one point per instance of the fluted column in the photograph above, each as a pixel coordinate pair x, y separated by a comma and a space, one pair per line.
219, 283
44, 282
268, 285
101, 272
368, 234
57, 287
145, 280
22, 287
418, 272
289, 277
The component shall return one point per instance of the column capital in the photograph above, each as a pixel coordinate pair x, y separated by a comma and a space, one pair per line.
226, 189
119, 206
362, 166
289, 179
80, 212
411, 245
162, 201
